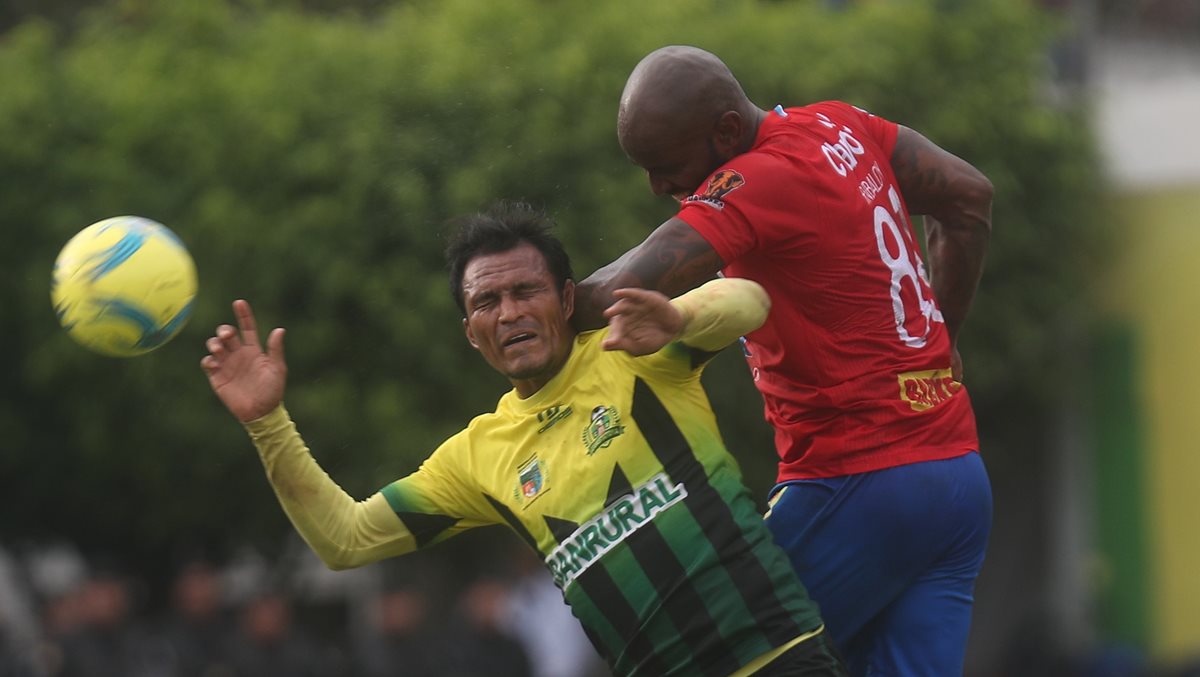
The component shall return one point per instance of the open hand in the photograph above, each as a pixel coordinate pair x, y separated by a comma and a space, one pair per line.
641, 321
248, 381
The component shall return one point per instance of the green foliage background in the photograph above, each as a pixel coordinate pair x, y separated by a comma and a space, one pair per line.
311, 158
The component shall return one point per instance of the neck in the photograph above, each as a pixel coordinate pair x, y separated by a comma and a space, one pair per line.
756, 117
528, 387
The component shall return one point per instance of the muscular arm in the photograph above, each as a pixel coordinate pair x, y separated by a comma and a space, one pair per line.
672, 260
956, 200
343, 532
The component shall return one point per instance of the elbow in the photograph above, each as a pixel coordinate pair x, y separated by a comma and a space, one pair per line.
339, 565
977, 201
338, 562
967, 212
762, 305
590, 297
750, 302
341, 559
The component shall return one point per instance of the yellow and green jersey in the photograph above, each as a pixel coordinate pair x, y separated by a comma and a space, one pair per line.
615, 472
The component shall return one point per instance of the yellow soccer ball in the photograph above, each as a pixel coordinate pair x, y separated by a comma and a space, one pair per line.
123, 286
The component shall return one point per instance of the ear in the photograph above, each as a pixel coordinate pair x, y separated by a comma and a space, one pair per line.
727, 133
470, 334
568, 299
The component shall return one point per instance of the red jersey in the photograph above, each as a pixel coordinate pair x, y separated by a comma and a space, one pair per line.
854, 359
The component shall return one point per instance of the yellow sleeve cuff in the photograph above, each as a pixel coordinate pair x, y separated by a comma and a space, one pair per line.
716, 313
275, 422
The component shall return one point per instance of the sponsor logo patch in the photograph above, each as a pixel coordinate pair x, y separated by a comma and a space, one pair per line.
552, 415
618, 521
721, 184
926, 389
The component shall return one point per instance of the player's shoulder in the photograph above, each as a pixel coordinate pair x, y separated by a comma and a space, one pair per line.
483, 425
672, 358
838, 108
674, 363
590, 340
820, 117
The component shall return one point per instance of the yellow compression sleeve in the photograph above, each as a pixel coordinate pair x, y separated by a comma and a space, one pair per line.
343, 532
716, 313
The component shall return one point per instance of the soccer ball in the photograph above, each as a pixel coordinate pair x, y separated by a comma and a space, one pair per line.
123, 286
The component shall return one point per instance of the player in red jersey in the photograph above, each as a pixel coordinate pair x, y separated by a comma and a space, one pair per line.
882, 499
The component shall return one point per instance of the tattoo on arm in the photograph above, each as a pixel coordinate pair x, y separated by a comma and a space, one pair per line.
673, 259
956, 199
920, 177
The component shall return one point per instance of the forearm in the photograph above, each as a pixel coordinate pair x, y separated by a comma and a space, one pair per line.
956, 255
343, 532
718, 312
672, 260
956, 200
595, 294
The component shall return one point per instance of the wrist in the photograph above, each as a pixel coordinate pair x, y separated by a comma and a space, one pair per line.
686, 316
267, 423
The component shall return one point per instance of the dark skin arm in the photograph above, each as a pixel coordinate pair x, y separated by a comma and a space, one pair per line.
673, 259
956, 200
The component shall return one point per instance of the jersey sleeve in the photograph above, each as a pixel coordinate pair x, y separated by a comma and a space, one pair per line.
343, 532
778, 196
731, 210
440, 499
719, 311
716, 314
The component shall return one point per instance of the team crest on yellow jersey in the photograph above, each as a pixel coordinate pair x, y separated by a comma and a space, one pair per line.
531, 481
603, 426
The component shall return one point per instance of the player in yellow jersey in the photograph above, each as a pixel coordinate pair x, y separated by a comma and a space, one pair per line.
605, 458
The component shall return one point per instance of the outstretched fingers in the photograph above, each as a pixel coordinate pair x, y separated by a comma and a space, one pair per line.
209, 364
275, 344
216, 346
245, 320
625, 300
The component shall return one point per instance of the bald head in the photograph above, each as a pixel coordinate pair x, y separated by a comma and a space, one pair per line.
684, 100
677, 86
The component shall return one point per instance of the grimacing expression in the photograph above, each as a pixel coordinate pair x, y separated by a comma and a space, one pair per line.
516, 316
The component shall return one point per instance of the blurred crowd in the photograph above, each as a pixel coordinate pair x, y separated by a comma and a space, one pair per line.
247, 615
64, 616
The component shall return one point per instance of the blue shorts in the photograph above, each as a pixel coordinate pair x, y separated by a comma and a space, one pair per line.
891, 557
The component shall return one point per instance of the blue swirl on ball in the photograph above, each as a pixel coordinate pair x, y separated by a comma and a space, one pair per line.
107, 260
152, 335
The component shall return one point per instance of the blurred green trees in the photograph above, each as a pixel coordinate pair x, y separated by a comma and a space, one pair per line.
311, 160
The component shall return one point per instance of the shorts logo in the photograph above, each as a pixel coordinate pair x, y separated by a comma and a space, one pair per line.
603, 427
531, 481
721, 184
926, 389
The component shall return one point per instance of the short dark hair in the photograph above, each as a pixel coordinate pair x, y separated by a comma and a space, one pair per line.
504, 225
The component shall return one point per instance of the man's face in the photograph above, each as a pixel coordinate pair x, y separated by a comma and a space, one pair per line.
516, 316
676, 161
